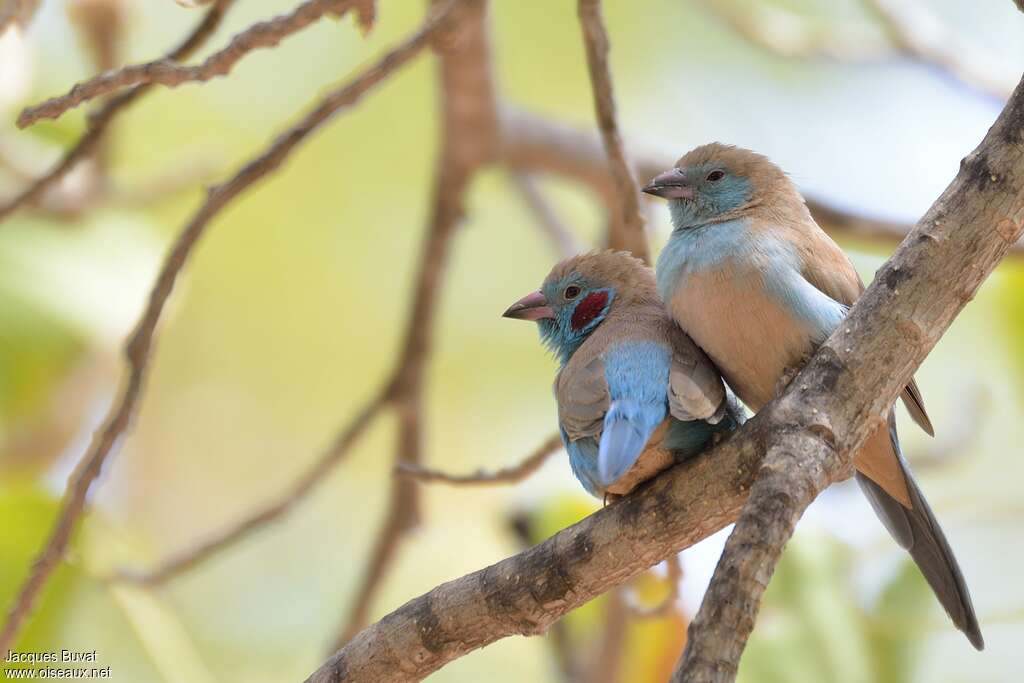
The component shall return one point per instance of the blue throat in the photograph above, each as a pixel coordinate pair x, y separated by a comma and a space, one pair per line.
560, 337
710, 200
698, 248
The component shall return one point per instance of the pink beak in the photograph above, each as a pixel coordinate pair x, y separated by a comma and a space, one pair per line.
533, 306
670, 185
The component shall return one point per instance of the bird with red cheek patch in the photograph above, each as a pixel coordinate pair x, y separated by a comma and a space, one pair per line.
634, 394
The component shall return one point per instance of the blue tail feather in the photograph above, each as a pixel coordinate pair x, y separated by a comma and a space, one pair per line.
628, 426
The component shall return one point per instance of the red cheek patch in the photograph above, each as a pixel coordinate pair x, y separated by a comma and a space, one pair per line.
588, 309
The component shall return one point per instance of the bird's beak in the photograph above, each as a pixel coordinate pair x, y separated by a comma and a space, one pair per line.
533, 306
670, 185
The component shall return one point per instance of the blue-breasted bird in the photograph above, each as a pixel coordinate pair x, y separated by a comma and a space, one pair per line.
635, 395
750, 276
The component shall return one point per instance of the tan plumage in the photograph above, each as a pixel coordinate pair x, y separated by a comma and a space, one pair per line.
777, 205
757, 284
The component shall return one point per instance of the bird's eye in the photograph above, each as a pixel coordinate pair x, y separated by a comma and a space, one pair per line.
715, 176
571, 292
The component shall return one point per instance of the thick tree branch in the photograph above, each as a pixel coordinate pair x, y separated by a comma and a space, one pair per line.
528, 592
508, 475
138, 345
100, 120
854, 378
828, 411
167, 71
626, 224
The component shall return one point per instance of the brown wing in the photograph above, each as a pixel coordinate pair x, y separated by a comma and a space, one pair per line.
582, 395
831, 272
695, 388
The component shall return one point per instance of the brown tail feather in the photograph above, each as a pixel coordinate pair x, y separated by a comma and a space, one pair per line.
917, 530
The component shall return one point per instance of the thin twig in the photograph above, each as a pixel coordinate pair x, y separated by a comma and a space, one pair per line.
627, 225
270, 511
167, 71
100, 120
469, 130
402, 386
138, 345
537, 144
508, 475
559, 235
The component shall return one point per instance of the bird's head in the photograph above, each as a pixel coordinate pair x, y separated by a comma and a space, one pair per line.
581, 292
716, 183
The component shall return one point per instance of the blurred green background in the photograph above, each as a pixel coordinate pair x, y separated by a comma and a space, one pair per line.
288, 317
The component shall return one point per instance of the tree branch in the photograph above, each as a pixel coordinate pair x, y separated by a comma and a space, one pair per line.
137, 347
828, 411
528, 592
266, 513
469, 130
626, 225
168, 72
507, 475
465, 69
854, 378
100, 120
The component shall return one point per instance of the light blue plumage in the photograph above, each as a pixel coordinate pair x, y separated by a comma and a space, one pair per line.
634, 394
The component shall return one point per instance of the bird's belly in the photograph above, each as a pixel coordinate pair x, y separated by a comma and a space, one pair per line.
749, 335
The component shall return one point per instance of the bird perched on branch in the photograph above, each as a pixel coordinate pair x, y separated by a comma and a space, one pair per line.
750, 276
635, 395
